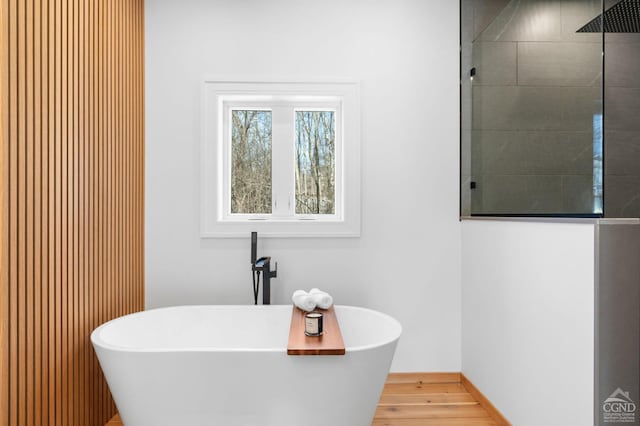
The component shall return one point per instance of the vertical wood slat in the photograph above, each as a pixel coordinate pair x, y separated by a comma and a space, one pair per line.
21, 166
43, 332
83, 179
57, 177
36, 318
49, 153
9, 131
100, 169
29, 201
71, 169
38, 197
64, 235
49, 112
4, 214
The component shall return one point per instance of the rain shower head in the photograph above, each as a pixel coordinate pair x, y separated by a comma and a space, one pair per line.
622, 17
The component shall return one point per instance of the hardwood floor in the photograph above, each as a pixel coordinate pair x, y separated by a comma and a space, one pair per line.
115, 421
425, 399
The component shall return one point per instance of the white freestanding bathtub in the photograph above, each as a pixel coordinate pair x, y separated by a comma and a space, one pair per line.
228, 365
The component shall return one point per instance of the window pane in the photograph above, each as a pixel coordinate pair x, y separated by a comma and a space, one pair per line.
315, 162
251, 162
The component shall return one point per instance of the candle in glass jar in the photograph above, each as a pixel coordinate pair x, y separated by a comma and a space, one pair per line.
313, 324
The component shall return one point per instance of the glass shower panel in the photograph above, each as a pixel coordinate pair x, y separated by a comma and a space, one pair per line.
531, 108
622, 109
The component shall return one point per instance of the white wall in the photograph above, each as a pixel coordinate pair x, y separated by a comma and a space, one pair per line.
405, 54
528, 319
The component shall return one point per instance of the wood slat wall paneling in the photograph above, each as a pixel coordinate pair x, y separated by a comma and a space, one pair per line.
71, 164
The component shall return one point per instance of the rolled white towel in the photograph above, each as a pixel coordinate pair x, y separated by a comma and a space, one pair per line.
322, 299
303, 300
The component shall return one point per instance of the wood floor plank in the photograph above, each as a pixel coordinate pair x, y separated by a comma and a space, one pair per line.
430, 411
115, 421
423, 378
427, 399
434, 422
413, 388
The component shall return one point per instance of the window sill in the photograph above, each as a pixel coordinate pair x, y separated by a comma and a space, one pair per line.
283, 228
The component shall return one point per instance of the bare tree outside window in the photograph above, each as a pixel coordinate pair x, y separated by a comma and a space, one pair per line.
315, 162
251, 162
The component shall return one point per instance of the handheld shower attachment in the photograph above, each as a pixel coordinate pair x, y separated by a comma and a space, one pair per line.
263, 265
255, 272
254, 247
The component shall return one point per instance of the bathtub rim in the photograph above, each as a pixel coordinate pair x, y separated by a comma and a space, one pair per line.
96, 339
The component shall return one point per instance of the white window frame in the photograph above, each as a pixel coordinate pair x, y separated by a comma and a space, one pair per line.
220, 97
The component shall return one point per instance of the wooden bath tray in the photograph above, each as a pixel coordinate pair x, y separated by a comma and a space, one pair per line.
330, 343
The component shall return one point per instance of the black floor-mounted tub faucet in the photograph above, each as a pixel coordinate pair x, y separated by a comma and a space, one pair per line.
261, 265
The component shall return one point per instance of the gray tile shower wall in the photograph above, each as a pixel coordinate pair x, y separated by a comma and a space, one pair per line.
563, 64
622, 60
532, 153
623, 108
497, 62
534, 98
535, 108
622, 125
622, 197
